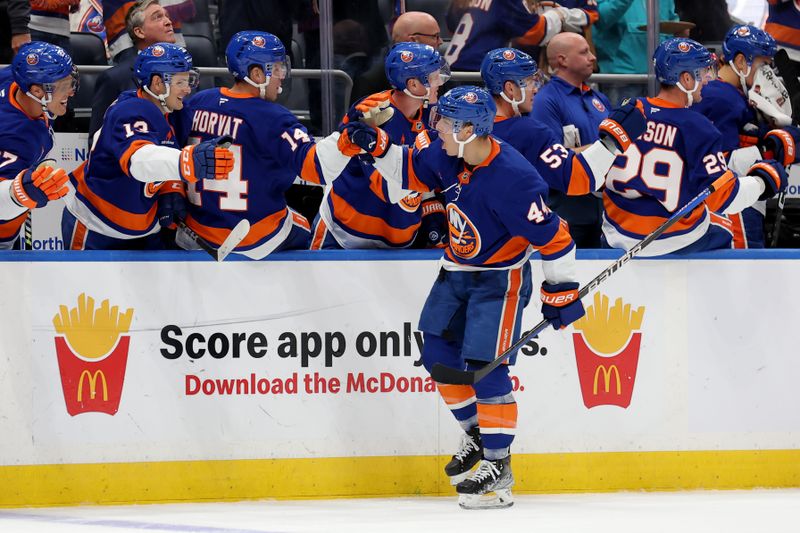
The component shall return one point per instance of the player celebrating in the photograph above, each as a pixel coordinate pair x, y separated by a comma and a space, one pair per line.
496, 211
134, 157
678, 156
44, 79
360, 209
271, 148
513, 78
748, 53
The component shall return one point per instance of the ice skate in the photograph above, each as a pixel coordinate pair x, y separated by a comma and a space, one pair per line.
467, 456
489, 487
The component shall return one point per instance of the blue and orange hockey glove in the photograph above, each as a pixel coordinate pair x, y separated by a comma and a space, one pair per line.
374, 109
172, 206
560, 303
356, 136
781, 145
433, 229
774, 176
36, 186
623, 126
210, 160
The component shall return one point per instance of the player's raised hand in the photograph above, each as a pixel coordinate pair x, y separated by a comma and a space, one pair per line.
373, 109
623, 126
356, 136
209, 159
781, 145
38, 185
774, 176
561, 304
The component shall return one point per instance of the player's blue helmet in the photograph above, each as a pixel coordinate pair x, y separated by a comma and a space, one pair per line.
750, 41
508, 64
406, 61
40, 63
247, 49
466, 104
678, 55
163, 59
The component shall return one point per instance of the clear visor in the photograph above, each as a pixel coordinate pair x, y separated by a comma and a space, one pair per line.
183, 80
442, 124
534, 81
64, 86
278, 70
706, 74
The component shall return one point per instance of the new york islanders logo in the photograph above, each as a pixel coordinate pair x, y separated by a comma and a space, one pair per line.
406, 56
509, 55
465, 241
684, 46
742, 31
158, 51
470, 98
92, 355
607, 342
259, 41
410, 203
32, 59
598, 105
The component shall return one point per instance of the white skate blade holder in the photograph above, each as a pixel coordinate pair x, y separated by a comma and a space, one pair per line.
499, 499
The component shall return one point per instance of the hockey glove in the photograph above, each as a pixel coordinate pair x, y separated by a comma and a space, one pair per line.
623, 126
373, 109
433, 228
560, 303
35, 187
209, 159
355, 137
171, 204
781, 145
774, 176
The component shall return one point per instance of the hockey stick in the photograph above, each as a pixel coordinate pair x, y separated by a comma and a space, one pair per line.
237, 234
445, 374
27, 226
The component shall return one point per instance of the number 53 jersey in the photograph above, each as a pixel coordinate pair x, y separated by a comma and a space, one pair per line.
678, 156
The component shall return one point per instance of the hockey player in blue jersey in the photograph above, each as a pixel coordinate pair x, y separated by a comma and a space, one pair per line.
135, 157
513, 78
679, 155
728, 102
42, 80
272, 148
488, 24
360, 209
497, 215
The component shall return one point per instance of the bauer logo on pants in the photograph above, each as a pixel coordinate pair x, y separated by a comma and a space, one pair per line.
607, 342
92, 355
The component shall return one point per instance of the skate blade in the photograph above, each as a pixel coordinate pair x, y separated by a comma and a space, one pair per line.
500, 499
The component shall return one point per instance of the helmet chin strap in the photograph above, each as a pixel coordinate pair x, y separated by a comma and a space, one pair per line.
689, 93
425, 98
162, 98
514, 103
462, 144
262, 87
48, 97
742, 76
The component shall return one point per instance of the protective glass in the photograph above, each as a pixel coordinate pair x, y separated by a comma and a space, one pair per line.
442, 124
534, 81
279, 69
707, 74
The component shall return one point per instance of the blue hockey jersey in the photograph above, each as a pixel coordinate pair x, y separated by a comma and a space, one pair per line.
728, 109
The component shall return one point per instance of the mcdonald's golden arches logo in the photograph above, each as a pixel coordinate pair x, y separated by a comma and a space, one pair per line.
92, 353
607, 342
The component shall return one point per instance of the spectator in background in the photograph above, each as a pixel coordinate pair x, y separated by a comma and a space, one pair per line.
573, 112
50, 21
146, 23
621, 45
410, 27
14, 19
272, 16
115, 20
482, 26
783, 23
711, 18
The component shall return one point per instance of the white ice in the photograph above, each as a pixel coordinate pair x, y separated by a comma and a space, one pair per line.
757, 511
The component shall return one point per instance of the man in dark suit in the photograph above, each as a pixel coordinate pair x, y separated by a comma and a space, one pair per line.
147, 23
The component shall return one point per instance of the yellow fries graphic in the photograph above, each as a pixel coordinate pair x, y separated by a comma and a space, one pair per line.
92, 332
607, 330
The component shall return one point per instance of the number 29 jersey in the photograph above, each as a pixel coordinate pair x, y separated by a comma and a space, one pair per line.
678, 156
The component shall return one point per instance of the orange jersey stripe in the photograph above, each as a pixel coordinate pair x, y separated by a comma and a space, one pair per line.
10, 228
455, 394
502, 415
376, 185
579, 180
508, 319
258, 231
115, 25
319, 235
132, 221
309, 171
784, 34
736, 226
509, 250
347, 215
125, 160
535, 34
720, 197
644, 225
561, 240
300, 220
78, 236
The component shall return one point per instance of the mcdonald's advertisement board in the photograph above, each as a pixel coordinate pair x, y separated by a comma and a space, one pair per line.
198, 363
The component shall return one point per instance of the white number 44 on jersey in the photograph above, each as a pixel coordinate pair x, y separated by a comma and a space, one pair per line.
536, 213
